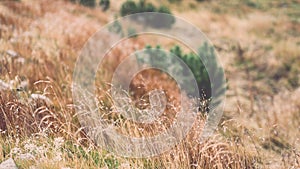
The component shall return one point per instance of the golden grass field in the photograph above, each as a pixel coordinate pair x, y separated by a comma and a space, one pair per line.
258, 41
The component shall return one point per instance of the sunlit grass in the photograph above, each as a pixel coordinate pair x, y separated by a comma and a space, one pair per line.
39, 45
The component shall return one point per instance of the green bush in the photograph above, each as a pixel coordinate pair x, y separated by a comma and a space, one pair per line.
88, 3
157, 21
196, 66
149, 8
174, 1
164, 21
142, 6
131, 32
252, 4
128, 7
117, 28
104, 4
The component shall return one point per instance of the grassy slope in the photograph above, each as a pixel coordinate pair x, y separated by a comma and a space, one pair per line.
255, 44
259, 47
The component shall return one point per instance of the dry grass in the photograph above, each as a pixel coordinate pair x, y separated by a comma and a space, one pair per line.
38, 124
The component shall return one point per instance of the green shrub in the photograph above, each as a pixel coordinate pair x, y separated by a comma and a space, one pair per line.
116, 27
104, 4
196, 66
88, 3
131, 32
252, 4
165, 20
149, 8
128, 7
174, 1
142, 6
157, 21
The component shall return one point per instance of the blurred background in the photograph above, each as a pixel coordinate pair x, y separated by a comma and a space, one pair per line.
258, 44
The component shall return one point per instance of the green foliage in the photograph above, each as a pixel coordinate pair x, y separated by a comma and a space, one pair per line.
166, 20
88, 3
149, 8
104, 4
157, 21
196, 66
131, 32
99, 158
6, 149
116, 27
252, 4
207, 53
111, 163
127, 8
174, 1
